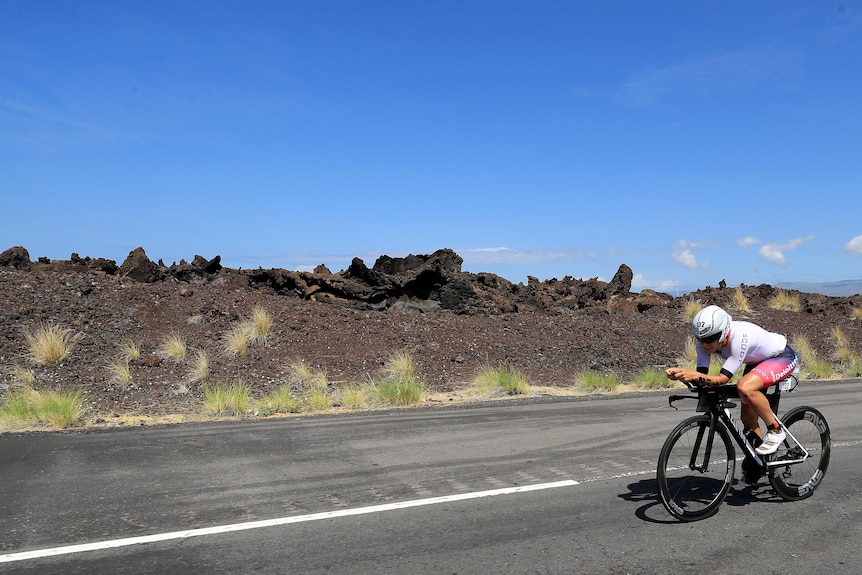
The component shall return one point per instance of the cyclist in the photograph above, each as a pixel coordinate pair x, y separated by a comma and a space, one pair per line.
767, 358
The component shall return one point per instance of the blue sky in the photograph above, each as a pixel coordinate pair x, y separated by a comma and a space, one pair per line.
692, 141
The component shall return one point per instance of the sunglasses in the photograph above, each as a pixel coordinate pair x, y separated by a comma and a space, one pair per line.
709, 339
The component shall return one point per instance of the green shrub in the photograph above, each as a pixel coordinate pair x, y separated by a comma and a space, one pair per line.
654, 378
62, 409
851, 362
853, 368
227, 398
593, 382
20, 405
402, 391
56, 409
811, 365
281, 400
354, 396
816, 368
398, 384
505, 379
318, 399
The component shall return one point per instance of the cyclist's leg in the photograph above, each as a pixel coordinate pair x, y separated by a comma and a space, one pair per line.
755, 403
750, 418
757, 378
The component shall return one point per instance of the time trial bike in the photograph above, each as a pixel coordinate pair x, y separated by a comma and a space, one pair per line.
697, 463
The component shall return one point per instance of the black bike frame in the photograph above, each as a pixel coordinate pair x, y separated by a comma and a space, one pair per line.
715, 403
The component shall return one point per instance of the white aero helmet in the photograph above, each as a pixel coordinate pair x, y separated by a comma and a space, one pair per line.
711, 323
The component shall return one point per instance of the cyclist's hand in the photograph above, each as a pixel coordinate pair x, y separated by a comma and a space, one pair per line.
685, 375
675, 373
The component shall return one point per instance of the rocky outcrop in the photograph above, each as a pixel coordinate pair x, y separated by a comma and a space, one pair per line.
413, 284
16, 257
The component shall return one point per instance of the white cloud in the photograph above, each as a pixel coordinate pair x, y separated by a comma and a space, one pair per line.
686, 259
774, 252
639, 282
854, 246
504, 255
684, 256
687, 245
747, 242
492, 250
709, 74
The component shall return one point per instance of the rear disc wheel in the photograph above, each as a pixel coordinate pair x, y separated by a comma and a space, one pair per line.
800, 476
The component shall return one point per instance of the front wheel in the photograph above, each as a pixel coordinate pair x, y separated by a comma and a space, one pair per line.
695, 469
800, 476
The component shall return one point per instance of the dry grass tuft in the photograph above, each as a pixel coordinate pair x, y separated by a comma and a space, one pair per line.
50, 344
120, 369
692, 306
785, 301
130, 350
200, 368
838, 336
174, 347
237, 340
740, 302
23, 375
260, 325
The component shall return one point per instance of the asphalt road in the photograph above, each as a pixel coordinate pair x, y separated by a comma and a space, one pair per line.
516, 487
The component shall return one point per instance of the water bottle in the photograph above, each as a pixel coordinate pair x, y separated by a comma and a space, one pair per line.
789, 383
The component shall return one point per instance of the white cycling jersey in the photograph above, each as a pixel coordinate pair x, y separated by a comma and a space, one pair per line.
748, 344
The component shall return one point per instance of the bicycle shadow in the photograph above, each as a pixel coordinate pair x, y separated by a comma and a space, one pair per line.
646, 490
652, 511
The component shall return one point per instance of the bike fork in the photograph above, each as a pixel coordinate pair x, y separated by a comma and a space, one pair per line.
707, 454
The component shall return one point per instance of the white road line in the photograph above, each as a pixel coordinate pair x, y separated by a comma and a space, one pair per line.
111, 544
847, 444
22, 556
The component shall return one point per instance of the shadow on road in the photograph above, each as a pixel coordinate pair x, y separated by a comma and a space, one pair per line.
653, 511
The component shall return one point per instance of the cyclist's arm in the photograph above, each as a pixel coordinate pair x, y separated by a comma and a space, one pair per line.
699, 377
